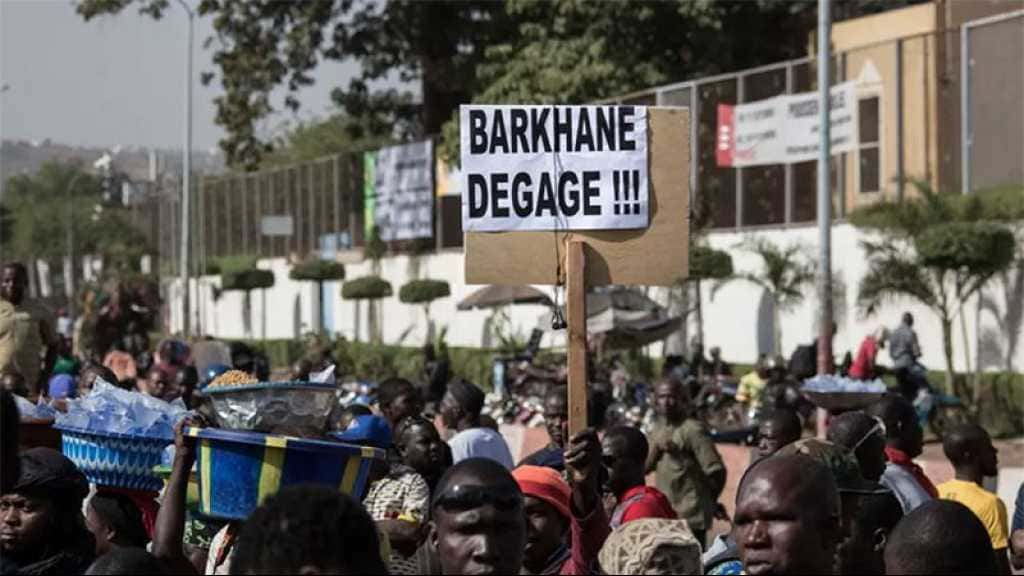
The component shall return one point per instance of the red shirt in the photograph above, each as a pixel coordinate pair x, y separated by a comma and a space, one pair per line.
642, 502
863, 367
900, 458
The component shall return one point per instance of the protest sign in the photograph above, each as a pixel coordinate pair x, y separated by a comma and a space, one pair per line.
654, 256
784, 129
554, 168
402, 198
578, 258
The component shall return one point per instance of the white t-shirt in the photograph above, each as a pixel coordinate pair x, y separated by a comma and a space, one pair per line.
480, 443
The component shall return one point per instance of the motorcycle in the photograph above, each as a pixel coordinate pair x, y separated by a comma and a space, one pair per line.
940, 411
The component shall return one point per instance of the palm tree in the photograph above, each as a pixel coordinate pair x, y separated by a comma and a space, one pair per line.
783, 275
706, 263
938, 250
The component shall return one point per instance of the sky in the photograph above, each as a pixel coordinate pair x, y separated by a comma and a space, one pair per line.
118, 80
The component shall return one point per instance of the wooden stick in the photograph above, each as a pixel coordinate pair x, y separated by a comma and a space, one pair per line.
576, 310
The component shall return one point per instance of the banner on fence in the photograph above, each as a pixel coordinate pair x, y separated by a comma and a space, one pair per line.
400, 200
784, 129
554, 168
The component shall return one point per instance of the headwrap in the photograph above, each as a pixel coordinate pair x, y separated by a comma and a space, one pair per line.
468, 395
630, 547
544, 484
62, 386
49, 471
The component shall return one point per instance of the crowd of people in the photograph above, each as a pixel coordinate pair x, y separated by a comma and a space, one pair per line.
449, 497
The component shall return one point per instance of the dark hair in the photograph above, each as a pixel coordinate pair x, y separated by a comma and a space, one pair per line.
483, 472
557, 393
636, 443
357, 410
9, 462
940, 537
390, 389
19, 269
964, 442
126, 561
880, 511
787, 423
848, 428
407, 424
893, 410
122, 515
308, 525
101, 371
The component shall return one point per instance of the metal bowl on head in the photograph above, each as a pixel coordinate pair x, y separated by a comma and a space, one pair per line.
301, 408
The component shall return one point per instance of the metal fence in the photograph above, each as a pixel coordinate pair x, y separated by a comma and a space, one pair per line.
910, 116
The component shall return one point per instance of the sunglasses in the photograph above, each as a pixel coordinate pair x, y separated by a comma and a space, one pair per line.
460, 498
878, 428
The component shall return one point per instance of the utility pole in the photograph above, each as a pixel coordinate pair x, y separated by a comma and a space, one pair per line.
186, 178
824, 202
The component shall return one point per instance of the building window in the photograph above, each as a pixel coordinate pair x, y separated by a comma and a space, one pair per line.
869, 168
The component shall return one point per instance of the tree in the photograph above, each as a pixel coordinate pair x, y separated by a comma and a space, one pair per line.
424, 292
240, 274
939, 250
260, 46
783, 275
315, 139
706, 263
319, 271
36, 223
370, 288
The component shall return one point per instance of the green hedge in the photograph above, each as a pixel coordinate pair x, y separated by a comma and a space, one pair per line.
366, 288
317, 271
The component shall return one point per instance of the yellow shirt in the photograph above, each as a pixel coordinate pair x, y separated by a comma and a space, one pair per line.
750, 388
26, 329
985, 505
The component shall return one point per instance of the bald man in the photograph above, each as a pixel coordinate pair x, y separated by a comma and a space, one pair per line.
787, 517
940, 537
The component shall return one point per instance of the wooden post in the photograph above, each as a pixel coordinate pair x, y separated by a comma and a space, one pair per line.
576, 310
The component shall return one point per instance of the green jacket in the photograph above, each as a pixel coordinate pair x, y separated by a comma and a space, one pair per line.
690, 472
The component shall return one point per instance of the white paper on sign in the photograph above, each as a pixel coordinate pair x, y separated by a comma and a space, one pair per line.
554, 168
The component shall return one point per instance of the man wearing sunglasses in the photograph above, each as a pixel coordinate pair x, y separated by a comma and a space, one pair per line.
477, 522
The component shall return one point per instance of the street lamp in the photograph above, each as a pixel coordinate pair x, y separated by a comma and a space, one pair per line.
186, 173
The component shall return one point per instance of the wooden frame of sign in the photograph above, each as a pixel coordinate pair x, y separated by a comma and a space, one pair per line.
656, 256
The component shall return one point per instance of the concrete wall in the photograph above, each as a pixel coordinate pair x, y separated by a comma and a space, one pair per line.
738, 318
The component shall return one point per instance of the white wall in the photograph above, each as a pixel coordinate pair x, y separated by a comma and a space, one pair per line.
731, 318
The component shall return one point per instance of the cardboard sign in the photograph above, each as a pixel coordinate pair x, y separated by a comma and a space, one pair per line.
784, 129
655, 256
403, 191
554, 168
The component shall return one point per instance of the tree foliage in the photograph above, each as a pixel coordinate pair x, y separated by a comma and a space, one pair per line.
554, 51
423, 291
366, 288
246, 280
36, 222
938, 249
706, 263
316, 270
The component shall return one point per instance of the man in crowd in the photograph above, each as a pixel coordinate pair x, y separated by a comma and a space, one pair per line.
41, 525
863, 552
903, 443
905, 350
33, 345
787, 517
973, 457
398, 400
308, 530
115, 522
775, 430
864, 366
752, 384
556, 421
687, 466
477, 522
565, 526
864, 436
940, 537
460, 411
624, 452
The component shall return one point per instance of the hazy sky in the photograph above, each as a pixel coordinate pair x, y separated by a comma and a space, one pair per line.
116, 79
